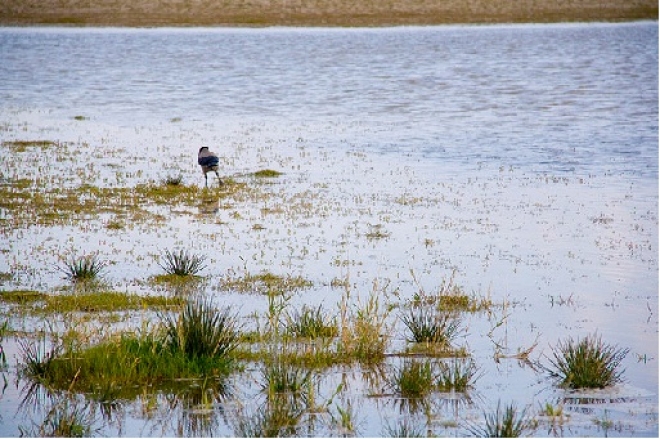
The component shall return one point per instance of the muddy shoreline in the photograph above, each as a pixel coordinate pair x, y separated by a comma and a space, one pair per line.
260, 13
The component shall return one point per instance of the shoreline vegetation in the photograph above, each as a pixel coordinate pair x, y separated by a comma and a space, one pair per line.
321, 13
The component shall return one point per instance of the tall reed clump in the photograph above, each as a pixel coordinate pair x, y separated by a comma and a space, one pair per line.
586, 363
181, 263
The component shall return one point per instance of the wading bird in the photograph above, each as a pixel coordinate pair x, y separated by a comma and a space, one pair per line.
209, 162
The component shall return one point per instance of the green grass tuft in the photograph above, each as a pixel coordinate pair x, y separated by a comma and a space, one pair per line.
83, 269
427, 325
181, 263
267, 173
587, 363
310, 323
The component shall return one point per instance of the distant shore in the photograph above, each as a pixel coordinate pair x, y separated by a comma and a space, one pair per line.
339, 13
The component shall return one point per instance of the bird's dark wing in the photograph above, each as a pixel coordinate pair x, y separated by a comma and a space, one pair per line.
208, 161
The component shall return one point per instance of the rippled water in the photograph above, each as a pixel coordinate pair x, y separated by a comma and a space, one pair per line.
524, 159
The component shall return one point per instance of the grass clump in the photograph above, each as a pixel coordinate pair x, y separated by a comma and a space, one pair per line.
586, 363
181, 263
427, 325
173, 180
505, 422
417, 379
310, 323
83, 269
200, 330
364, 333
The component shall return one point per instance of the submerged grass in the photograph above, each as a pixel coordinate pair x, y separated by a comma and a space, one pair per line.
310, 323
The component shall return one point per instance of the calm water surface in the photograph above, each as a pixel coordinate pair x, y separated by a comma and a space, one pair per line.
524, 159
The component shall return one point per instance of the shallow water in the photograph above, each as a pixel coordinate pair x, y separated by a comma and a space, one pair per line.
524, 159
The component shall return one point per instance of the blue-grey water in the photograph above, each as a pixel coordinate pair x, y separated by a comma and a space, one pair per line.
575, 98
521, 159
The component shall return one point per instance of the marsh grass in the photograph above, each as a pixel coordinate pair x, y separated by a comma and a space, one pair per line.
505, 422
265, 283
64, 419
428, 325
418, 378
83, 269
364, 333
103, 301
173, 180
310, 323
586, 363
267, 173
450, 297
200, 330
181, 263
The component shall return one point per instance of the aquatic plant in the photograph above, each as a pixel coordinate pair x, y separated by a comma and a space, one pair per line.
427, 325
504, 422
181, 263
586, 363
414, 379
364, 333
201, 330
457, 375
310, 323
82, 269
266, 283
64, 419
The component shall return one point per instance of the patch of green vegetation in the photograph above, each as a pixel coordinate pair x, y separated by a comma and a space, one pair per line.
586, 363
266, 283
80, 118
108, 301
193, 345
267, 173
310, 323
22, 297
58, 205
427, 325
23, 145
418, 378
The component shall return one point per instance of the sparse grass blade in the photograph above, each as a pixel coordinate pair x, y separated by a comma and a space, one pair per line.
415, 379
458, 375
182, 263
586, 363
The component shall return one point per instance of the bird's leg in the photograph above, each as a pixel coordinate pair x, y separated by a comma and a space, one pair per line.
219, 180
206, 180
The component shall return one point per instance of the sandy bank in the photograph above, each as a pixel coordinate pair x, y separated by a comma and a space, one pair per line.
316, 12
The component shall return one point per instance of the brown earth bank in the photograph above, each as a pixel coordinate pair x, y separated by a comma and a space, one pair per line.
316, 12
